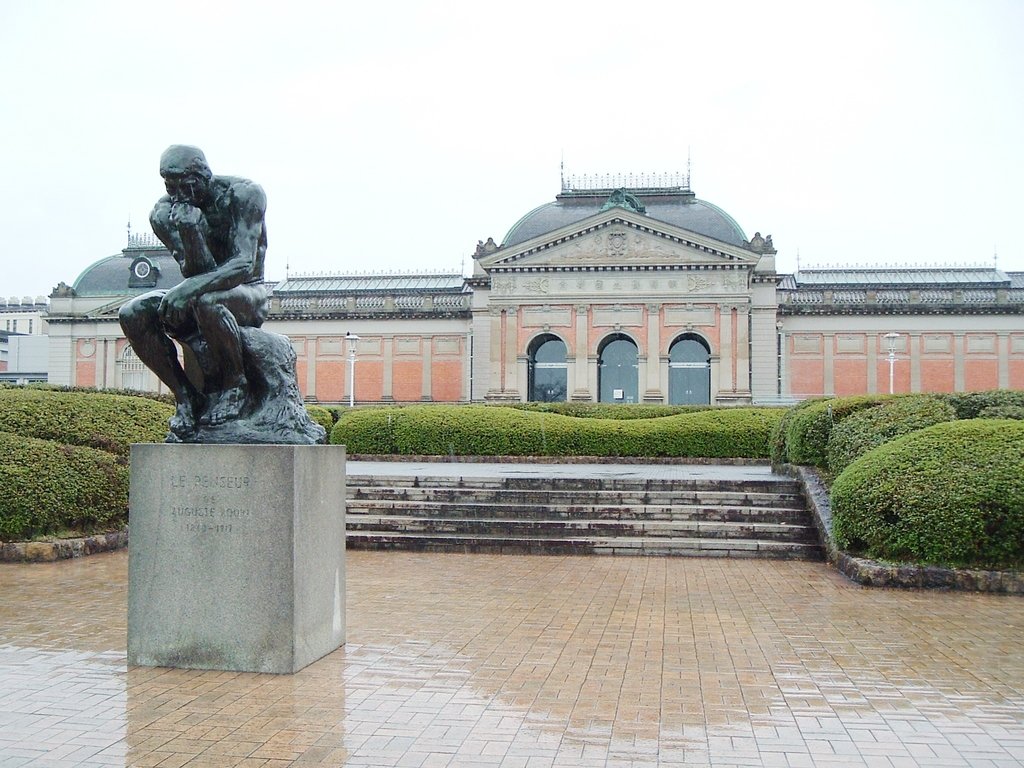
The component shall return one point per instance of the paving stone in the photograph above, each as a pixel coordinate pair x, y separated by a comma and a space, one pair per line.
462, 660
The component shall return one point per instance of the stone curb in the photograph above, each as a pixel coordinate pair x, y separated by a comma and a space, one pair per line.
62, 549
872, 573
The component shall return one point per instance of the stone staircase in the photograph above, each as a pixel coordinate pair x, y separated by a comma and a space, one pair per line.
700, 517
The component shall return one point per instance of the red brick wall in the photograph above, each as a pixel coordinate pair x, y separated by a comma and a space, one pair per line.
407, 380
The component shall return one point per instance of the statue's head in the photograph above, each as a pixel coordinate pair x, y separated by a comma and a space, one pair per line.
186, 174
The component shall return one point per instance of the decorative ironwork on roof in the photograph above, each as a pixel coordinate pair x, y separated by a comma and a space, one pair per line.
603, 184
411, 283
894, 276
142, 240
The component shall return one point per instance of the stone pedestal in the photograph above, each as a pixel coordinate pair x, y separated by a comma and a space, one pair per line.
236, 557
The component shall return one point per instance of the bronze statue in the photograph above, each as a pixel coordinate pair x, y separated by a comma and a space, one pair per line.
241, 387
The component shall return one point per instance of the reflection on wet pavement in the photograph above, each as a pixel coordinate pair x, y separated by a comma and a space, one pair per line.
479, 660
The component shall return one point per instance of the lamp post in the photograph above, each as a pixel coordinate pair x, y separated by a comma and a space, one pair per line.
351, 338
890, 339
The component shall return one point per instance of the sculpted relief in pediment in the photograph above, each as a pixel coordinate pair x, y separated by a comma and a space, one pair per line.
619, 244
532, 285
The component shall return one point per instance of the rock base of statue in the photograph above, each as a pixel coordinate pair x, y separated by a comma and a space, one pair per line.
237, 556
273, 411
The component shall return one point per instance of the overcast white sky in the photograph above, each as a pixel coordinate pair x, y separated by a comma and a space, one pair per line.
394, 135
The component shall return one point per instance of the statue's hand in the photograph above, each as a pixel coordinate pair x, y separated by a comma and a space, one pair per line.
185, 216
174, 306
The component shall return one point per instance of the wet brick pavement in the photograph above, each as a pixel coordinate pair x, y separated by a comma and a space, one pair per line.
479, 660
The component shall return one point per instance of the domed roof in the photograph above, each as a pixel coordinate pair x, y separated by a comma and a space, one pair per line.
114, 275
672, 205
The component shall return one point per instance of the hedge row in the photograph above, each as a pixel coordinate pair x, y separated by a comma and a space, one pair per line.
480, 430
609, 410
93, 419
50, 488
951, 494
321, 416
805, 431
863, 430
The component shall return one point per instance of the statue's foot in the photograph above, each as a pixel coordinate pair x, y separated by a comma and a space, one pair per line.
224, 406
183, 422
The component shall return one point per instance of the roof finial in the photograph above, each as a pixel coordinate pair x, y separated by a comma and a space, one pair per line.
688, 167
995, 257
561, 171
798, 259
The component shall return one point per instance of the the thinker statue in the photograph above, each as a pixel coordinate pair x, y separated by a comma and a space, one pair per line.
241, 388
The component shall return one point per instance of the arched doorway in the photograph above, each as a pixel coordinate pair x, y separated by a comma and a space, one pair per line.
548, 370
617, 370
689, 371
133, 372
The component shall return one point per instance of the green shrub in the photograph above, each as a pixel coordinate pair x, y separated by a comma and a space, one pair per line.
861, 431
951, 494
321, 416
93, 419
585, 410
1003, 412
969, 405
777, 441
808, 428
485, 430
51, 488
164, 397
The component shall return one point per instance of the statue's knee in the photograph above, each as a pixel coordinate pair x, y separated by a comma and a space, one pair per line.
134, 315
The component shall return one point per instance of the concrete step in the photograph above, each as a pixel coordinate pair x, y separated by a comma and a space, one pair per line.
745, 517
773, 484
578, 497
555, 528
580, 545
679, 512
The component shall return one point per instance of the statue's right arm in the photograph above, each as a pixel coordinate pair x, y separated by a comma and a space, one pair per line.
159, 220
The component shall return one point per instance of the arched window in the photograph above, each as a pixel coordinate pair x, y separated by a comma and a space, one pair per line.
133, 372
548, 370
617, 370
689, 372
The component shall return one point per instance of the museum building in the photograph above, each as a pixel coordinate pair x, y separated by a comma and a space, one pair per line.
619, 291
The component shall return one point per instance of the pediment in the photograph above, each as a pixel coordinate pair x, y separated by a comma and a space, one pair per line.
618, 238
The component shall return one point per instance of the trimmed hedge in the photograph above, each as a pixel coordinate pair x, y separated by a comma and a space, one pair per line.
165, 397
321, 416
50, 488
861, 431
951, 495
486, 430
93, 419
970, 405
608, 410
809, 425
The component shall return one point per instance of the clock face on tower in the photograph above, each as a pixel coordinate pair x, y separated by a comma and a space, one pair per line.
142, 270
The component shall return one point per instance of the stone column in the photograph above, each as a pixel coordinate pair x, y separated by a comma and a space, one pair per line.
428, 349
511, 352
110, 363
958, 361
497, 378
582, 385
764, 354
743, 349
1003, 358
653, 391
388, 384
871, 361
725, 351
828, 344
310, 346
915, 362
